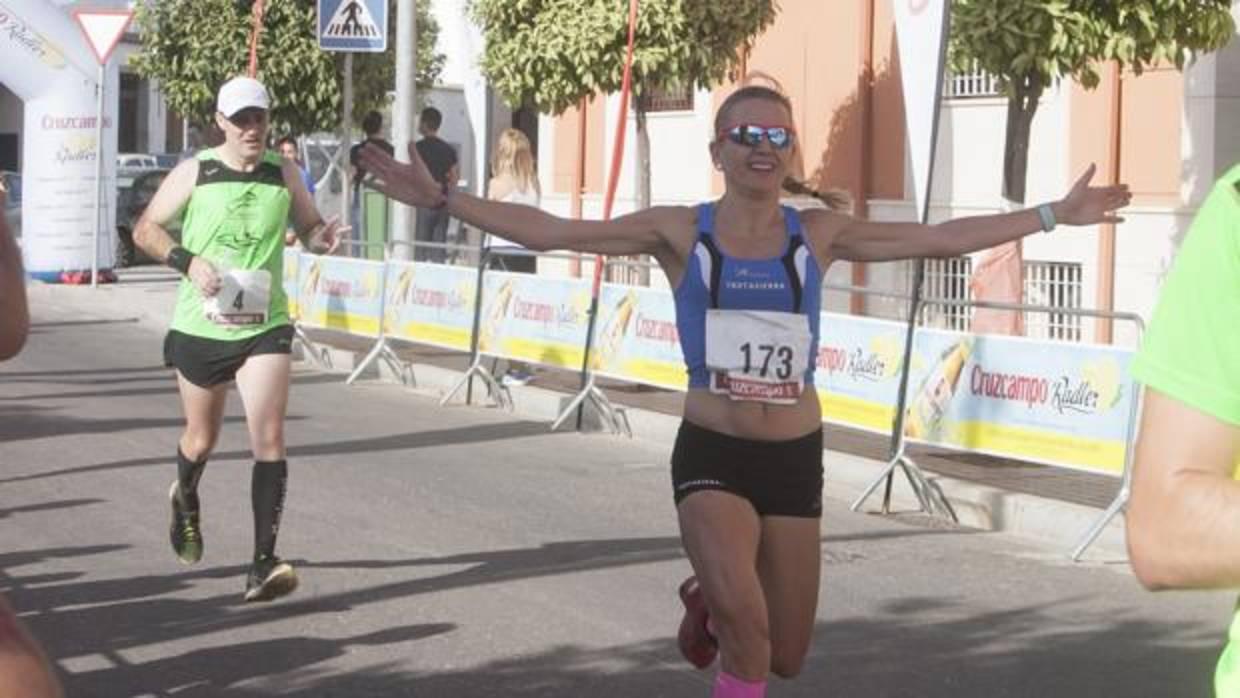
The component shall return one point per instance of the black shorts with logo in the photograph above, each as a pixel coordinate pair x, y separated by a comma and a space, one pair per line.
779, 478
210, 362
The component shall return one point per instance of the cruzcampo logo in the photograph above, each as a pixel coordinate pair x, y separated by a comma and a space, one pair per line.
15, 31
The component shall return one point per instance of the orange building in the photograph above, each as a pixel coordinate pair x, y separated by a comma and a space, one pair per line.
1168, 135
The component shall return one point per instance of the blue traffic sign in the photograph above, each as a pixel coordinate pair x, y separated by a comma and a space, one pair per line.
353, 25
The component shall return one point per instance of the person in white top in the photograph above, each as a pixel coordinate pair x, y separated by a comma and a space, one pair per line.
514, 181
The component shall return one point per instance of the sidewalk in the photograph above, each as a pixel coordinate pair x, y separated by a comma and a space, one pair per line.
1052, 505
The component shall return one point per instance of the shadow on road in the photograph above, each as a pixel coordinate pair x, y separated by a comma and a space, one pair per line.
925, 646
394, 443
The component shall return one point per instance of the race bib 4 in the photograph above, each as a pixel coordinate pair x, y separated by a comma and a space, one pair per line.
243, 298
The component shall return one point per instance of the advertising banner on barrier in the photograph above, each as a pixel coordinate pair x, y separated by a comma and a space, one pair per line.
292, 263
534, 319
430, 304
637, 338
341, 294
858, 371
1047, 402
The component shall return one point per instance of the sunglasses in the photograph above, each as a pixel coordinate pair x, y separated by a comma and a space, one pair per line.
247, 118
751, 135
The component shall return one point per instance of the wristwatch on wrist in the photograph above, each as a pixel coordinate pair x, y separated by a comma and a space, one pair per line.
1047, 215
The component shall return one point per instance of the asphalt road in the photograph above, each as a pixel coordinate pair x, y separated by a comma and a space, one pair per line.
461, 552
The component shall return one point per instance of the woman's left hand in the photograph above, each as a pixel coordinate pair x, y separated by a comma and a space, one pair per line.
1086, 205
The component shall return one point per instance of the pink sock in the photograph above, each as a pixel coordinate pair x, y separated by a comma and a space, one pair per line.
729, 686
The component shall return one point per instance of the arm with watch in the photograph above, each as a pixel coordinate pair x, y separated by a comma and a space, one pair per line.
869, 241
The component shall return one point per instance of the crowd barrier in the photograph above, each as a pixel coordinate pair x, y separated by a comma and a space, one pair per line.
1061, 404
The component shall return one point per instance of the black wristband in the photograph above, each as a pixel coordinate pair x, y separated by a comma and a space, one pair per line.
180, 258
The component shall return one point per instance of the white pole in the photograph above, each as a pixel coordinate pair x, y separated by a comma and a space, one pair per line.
346, 118
94, 257
403, 114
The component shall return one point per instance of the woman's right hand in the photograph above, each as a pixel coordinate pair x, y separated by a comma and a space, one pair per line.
410, 183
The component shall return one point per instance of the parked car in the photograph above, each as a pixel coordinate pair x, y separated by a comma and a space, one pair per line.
13, 204
133, 194
167, 161
136, 161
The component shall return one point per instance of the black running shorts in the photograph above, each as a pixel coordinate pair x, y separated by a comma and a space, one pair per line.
780, 478
210, 362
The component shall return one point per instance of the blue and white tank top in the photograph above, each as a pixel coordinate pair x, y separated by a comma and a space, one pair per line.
790, 283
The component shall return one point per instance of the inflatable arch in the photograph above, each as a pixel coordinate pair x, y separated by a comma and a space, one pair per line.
48, 64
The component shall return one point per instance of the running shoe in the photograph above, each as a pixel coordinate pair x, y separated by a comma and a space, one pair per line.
697, 645
269, 579
185, 533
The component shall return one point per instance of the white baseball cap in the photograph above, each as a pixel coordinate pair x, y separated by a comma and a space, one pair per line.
242, 93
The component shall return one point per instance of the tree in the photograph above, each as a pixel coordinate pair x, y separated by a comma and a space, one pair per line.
1029, 44
192, 46
551, 54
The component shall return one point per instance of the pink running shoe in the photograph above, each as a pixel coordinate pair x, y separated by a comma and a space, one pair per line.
697, 645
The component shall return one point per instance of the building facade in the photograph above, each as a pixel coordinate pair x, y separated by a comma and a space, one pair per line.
1176, 132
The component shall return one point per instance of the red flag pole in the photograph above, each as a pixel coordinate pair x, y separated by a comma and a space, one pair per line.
617, 159
254, 32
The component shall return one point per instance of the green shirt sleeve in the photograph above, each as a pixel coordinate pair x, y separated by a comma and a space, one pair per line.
1191, 350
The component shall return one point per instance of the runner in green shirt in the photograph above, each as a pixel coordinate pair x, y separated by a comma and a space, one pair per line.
231, 321
1184, 516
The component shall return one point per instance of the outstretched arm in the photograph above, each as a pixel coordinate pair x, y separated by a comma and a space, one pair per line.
316, 235
411, 183
866, 241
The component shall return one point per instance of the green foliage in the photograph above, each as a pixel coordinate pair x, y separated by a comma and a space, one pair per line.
193, 46
1035, 42
552, 53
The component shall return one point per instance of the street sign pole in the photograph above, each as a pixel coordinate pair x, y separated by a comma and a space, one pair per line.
346, 116
351, 26
94, 255
103, 30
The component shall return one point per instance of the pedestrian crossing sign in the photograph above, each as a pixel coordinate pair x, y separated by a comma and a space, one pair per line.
353, 25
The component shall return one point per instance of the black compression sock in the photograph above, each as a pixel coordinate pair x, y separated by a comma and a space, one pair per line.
188, 474
268, 484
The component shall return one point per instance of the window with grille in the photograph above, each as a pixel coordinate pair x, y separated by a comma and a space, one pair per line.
660, 99
948, 279
1057, 285
1046, 284
972, 83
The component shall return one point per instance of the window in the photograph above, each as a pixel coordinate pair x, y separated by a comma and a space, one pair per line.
1057, 285
668, 99
1046, 284
972, 83
948, 279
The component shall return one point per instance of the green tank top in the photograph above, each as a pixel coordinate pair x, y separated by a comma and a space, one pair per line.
236, 221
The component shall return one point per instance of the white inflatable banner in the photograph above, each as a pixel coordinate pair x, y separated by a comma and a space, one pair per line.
49, 65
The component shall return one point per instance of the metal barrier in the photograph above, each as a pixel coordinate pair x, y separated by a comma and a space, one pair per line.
615, 416
382, 348
916, 477
928, 493
496, 390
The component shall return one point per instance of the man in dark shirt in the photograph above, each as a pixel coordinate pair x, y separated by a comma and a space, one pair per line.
372, 124
441, 160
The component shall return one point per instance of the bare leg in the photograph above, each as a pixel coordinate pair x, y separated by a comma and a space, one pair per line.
721, 534
790, 565
204, 413
263, 382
